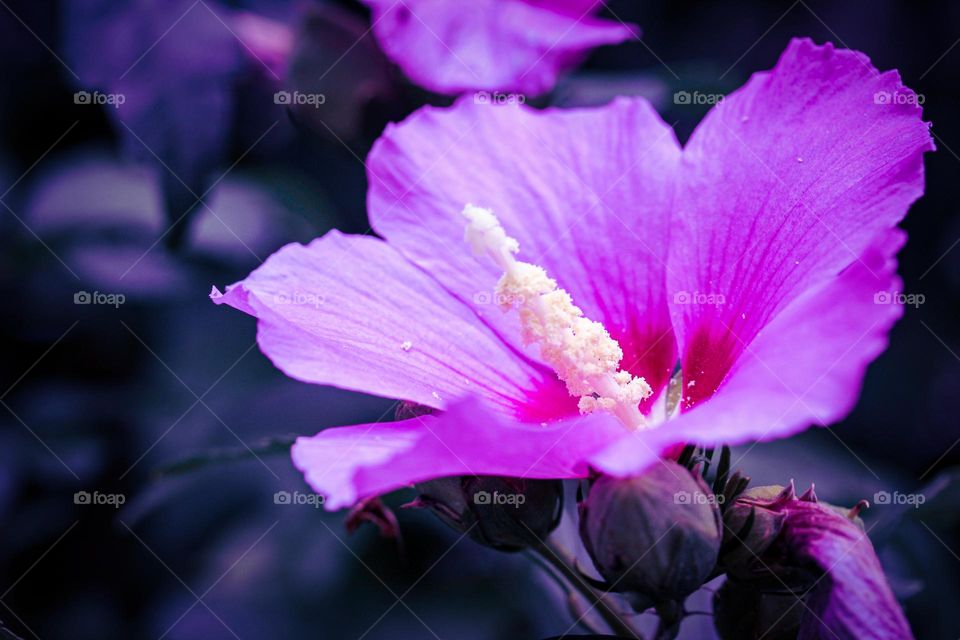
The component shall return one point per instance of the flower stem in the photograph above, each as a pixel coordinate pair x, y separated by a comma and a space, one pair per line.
671, 615
562, 561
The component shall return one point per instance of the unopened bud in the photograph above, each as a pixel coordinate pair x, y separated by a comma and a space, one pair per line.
508, 514
504, 513
656, 534
799, 547
750, 525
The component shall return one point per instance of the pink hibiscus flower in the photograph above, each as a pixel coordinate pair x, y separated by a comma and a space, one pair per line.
493, 45
759, 256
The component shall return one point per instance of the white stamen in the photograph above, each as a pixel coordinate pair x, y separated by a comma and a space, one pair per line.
580, 350
486, 236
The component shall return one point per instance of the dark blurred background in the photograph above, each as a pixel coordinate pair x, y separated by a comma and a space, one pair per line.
157, 398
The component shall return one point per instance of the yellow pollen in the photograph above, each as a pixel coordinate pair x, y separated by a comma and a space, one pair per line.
580, 350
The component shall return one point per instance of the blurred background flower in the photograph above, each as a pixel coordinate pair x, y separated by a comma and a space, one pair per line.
492, 45
201, 170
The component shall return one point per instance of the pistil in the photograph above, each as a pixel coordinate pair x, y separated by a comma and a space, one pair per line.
581, 351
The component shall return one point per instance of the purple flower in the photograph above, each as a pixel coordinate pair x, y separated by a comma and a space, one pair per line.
505, 45
757, 256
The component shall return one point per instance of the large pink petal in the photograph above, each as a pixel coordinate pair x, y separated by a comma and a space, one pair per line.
493, 45
351, 312
347, 464
804, 367
784, 184
586, 192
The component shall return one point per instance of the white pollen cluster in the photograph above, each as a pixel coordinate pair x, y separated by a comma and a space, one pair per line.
580, 350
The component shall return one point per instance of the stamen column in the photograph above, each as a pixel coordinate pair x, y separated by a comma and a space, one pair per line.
581, 351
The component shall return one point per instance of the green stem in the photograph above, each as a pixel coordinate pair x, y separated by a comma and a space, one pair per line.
267, 446
562, 561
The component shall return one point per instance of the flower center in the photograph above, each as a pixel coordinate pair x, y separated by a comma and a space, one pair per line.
580, 350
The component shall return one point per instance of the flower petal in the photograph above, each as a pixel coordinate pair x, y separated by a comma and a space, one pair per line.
492, 45
852, 600
807, 365
587, 193
349, 311
784, 184
804, 367
347, 464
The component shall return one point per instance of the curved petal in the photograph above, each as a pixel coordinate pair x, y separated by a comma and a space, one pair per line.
347, 464
852, 600
785, 184
492, 45
586, 192
349, 311
804, 367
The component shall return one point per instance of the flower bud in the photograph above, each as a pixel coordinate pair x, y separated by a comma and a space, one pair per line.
750, 525
508, 514
819, 554
656, 534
